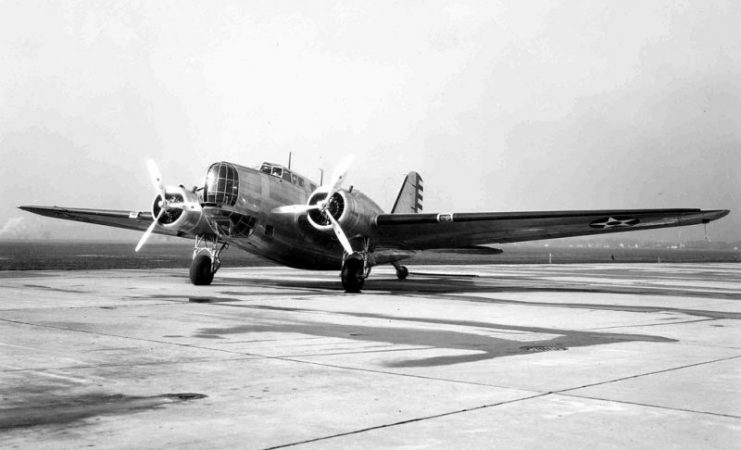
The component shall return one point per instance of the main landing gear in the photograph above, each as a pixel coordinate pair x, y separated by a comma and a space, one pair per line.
206, 260
355, 270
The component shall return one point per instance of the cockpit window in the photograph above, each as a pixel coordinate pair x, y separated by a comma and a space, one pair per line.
222, 185
285, 174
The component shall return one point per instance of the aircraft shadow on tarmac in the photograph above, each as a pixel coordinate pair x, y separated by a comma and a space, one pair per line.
455, 284
485, 346
424, 334
455, 288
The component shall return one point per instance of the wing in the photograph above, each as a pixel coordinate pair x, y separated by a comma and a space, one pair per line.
455, 230
132, 220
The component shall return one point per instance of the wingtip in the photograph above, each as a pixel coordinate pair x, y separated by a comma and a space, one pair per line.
41, 210
715, 214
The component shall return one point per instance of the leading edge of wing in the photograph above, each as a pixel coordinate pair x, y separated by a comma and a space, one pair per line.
383, 220
64, 213
132, 220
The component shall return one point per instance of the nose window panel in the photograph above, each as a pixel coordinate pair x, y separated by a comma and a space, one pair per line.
222, 185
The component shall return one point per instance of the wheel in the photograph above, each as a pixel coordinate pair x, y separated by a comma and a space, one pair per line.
352, 275
200, 270
402, 272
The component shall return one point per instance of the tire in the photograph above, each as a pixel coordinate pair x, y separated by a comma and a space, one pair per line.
402, 273
200, 270
352, 275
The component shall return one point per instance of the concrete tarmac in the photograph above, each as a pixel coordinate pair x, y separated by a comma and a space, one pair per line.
536, 356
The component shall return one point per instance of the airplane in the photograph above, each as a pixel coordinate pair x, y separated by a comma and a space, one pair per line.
279, 214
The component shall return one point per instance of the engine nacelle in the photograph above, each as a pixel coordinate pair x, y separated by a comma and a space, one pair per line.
352, 210
186, 220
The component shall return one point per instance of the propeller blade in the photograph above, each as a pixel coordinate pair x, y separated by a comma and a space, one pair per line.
156, 177
294, 209
340, 234
149, 231
338, 176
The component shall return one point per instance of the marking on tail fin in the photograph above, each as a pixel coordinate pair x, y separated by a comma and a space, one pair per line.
410, 196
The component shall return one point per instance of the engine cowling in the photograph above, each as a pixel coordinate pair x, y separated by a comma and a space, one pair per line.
189, 219
352, 211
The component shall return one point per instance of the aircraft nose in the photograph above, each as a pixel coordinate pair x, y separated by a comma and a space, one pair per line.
222, 185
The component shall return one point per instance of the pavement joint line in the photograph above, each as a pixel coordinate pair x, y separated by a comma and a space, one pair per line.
467, 297
117, 306
288, 359
258, 355
656, 324
408, 375
143, 363
669, 408
154, 341
405, 422
562, 392
671, 369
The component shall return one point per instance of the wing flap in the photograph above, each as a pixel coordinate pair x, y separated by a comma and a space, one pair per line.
455, 230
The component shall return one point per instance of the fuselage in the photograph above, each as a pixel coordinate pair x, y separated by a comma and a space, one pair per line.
241, 201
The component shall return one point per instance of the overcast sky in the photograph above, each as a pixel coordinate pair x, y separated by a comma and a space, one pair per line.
501, 106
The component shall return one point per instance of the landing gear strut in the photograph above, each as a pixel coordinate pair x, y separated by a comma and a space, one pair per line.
401, 271
206, 260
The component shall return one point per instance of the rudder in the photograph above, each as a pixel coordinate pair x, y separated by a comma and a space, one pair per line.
409, 199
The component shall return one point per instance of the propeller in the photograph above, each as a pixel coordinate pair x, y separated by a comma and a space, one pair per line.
296, 209
340, 234
156, 177
338, 177
148, 233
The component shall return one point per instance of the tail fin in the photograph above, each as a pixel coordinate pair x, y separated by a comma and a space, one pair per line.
409, 199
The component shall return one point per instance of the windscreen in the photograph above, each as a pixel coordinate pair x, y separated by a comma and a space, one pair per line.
222, 185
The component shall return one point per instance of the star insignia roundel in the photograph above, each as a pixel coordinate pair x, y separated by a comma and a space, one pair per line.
614, 222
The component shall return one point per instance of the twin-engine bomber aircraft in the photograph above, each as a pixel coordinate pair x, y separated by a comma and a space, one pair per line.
276, 213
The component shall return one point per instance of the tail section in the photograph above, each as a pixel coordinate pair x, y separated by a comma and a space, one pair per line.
409, 199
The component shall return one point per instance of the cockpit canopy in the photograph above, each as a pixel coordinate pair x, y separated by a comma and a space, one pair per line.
285, 174
222, 185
